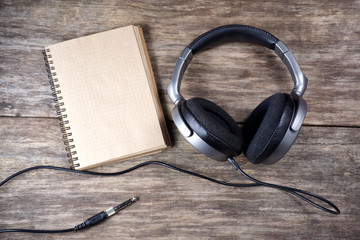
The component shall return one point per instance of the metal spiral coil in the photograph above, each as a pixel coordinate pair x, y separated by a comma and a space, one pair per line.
60, 109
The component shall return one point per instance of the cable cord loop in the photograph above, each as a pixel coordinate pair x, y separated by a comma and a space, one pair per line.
102, 215
293, 191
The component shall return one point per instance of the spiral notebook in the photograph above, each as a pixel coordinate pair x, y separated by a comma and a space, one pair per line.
106, 96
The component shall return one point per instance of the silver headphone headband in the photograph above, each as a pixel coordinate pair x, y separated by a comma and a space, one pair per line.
300, 80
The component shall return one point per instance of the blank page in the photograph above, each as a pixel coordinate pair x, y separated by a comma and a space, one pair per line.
109, 98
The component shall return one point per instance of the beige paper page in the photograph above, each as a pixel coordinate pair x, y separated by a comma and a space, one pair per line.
107, 97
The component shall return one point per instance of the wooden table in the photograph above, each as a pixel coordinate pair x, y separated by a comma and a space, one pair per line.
323, 35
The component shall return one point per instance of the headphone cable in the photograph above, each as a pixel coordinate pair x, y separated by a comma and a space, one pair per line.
103, 215
293, 191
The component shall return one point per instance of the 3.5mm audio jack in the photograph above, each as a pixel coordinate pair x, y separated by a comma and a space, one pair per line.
96, 219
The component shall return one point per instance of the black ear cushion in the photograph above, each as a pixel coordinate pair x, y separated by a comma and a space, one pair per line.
266, 127
213, 125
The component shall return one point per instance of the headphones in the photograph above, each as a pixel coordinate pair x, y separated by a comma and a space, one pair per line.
272, 127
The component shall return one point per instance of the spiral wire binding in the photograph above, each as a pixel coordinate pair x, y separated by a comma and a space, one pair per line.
60, 109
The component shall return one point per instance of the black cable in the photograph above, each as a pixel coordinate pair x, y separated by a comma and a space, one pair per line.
37, 231
293, 191
130, 170
111, 174
94, 220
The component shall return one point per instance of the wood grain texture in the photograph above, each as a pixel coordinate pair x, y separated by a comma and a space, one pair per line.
323, 35
176, 206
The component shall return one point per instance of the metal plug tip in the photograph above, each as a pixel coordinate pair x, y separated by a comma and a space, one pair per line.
125, 204
134, 199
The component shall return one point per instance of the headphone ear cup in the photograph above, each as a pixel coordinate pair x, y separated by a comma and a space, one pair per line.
266, 127
213, 125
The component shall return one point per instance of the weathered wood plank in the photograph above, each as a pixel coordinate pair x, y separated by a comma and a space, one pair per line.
176, 206
323, 35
